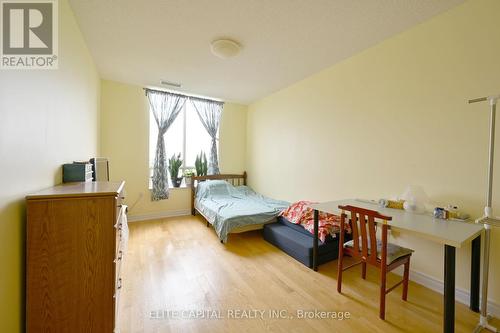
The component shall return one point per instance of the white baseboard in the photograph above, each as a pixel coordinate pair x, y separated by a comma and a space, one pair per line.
461, 295
159, 215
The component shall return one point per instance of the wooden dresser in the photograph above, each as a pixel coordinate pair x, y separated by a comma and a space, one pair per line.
76, 237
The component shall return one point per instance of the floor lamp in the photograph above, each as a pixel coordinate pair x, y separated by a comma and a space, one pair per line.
487, 220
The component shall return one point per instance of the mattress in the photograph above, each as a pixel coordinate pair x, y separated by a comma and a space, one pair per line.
230, 208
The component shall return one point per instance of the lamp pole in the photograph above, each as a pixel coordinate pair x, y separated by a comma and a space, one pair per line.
487, 220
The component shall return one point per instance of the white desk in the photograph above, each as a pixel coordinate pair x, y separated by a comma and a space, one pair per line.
451, 234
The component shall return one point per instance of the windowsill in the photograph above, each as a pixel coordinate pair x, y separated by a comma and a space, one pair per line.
182, 187
176, 188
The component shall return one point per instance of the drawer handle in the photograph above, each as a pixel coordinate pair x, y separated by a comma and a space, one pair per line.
119, 286
120, 256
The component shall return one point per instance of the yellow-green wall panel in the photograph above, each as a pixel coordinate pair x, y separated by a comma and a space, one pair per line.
393, 115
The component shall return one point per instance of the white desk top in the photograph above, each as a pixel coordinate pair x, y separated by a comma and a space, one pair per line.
454, 233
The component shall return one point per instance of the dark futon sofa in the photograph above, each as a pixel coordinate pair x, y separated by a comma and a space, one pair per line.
297, 242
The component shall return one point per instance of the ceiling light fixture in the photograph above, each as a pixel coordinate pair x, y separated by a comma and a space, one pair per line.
225, 48
172, 84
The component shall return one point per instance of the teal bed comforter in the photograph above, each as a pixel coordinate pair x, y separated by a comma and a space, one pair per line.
227, 207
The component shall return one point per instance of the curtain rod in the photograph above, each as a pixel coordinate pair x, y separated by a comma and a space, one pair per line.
183, 95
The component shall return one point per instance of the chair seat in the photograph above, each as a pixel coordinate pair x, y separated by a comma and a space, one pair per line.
394, 251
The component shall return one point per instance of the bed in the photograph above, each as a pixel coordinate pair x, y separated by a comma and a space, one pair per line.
230, 206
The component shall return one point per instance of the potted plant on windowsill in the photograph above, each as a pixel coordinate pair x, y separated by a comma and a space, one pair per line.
174, 164
188, 173
201, 164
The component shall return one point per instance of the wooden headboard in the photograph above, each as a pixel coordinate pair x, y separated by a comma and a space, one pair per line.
235, 180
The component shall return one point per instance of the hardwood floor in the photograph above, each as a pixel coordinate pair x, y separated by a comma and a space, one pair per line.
179, 264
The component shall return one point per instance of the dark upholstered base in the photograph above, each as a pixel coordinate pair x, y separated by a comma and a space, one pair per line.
298, 243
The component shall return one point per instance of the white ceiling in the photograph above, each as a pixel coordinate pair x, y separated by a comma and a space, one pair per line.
143, 41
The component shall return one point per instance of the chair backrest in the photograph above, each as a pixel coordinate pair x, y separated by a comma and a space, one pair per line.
363, 228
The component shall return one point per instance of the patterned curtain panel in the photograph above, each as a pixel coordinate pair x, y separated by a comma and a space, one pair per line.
165, 107
210, 113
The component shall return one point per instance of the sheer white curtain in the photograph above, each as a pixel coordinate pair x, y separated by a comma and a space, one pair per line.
210, 113
165, 107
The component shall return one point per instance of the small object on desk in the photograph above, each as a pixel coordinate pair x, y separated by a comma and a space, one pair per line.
441, 213
450, 213
456, 214
395, 204
77, 172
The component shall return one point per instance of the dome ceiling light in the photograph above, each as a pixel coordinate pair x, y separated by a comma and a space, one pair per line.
225, 48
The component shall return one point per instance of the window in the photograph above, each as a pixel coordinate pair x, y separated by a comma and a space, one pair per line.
186, 135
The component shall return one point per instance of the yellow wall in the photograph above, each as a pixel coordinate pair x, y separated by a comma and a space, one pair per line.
48, 117
393, 115
125, 141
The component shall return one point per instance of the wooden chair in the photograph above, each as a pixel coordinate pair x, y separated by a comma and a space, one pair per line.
387, 256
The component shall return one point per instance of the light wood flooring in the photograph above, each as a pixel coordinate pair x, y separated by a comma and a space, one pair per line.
179, 264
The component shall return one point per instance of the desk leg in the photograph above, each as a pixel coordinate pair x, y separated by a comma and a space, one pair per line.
315, 240
475, 273
449, 289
